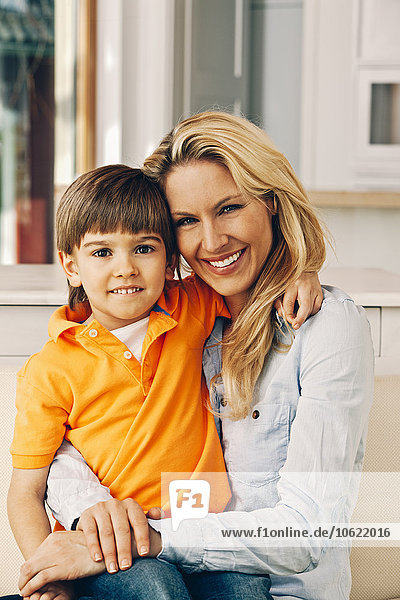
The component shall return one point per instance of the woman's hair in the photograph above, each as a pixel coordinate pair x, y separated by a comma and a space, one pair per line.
108, 199
298, 246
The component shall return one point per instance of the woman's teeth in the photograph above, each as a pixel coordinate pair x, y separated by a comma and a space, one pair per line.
125, 291
227, 261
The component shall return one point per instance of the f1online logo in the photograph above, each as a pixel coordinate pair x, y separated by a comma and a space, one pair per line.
189, 499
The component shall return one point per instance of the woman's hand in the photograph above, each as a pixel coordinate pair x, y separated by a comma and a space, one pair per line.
108, 530
307, 292
62, 556
60, 590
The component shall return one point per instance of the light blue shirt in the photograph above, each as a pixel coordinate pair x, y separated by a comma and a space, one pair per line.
292, 462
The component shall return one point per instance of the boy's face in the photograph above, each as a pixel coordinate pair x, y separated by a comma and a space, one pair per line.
123, 274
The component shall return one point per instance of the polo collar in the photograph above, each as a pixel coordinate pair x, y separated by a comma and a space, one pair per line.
65, 318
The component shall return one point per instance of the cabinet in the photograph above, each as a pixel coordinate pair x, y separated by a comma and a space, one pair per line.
29, 294
379, 292
351, 95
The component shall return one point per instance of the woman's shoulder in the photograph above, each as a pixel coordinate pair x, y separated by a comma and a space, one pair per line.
340, 319
337, 304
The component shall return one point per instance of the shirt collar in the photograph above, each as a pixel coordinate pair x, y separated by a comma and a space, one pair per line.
65, 318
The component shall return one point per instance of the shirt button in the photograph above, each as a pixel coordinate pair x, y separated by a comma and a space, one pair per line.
255, 414
127, 354
224, 402
93, 333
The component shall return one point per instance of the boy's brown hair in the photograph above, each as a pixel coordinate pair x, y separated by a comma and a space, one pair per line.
108, 199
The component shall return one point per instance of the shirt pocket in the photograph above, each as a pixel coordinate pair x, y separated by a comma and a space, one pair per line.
255, 448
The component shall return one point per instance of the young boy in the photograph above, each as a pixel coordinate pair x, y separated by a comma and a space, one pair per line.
121, 376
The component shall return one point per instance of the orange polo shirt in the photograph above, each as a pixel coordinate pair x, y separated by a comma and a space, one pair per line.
130, 421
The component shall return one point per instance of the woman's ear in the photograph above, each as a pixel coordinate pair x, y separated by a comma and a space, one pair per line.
170, 273
70, 268
171, 268
272, 204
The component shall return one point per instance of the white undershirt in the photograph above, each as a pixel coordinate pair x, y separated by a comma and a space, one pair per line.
133, 335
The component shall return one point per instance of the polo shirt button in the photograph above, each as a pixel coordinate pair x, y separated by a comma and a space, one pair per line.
128, 354
255, 414
93, 333
224, 402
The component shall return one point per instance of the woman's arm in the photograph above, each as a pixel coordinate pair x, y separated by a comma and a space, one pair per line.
334, 371
77, 498
72, 487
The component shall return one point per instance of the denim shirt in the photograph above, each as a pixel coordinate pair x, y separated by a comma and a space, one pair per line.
291, 461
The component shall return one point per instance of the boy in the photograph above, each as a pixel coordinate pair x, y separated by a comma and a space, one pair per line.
121, 376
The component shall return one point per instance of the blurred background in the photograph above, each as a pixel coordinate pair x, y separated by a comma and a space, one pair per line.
89, 82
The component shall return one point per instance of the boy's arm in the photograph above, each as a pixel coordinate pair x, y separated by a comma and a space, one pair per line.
26, 511
301, 299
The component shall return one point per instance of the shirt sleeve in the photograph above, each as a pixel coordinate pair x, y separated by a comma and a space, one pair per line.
319, 480
42, 414
72, 487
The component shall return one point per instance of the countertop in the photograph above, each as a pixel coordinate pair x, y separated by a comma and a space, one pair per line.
32, 285
46, 285
367, 287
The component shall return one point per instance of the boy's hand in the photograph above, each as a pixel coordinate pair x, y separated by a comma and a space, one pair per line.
107, 528
59, 590
307, 293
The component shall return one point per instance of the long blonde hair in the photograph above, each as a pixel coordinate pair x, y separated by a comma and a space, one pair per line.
259, 171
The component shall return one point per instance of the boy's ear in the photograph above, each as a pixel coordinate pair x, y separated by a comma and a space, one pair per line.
70, 269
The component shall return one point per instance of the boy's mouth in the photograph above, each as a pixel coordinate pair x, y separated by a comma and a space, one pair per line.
124, 291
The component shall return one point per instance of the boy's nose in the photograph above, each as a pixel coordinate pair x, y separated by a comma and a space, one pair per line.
126, 268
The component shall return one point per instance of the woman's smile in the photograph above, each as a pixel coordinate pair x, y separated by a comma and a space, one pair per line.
225, 261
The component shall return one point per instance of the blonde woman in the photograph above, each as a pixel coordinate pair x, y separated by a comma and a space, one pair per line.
292, 406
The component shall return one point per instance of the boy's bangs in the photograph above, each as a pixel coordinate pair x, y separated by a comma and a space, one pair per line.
129, 216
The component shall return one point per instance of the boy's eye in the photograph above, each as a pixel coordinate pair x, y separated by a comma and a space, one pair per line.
185, 221
102, 252
144, 249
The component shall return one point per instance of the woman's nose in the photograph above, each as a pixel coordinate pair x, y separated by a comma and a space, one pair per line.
213, 239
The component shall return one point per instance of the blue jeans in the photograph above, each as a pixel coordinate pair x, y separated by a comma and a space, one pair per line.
150, 579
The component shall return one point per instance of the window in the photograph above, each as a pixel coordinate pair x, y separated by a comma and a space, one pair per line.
45, 138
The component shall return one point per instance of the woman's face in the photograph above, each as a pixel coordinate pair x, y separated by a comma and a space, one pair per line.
225, 237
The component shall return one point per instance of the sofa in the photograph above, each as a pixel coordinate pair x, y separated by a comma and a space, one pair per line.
375, 569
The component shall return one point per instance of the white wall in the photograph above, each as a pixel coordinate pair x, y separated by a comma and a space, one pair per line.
364, 237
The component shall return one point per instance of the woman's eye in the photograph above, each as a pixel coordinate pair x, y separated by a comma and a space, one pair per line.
185, 221
144, 250
230, 208
102, 253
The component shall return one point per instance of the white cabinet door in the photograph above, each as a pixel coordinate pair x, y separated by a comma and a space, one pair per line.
23, 329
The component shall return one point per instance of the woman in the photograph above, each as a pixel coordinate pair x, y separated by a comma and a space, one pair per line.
293, 407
